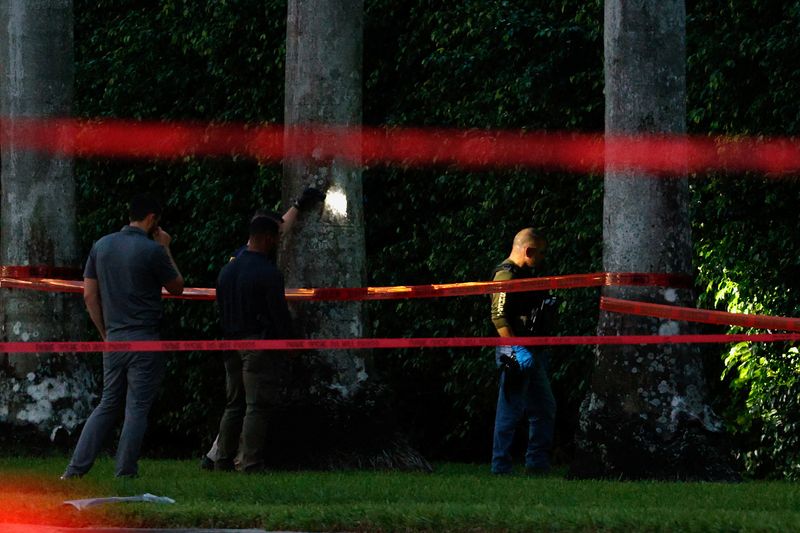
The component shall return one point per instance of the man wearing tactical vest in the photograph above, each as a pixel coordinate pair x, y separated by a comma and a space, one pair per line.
524, 386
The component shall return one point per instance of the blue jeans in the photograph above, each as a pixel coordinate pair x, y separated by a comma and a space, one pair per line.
526, 394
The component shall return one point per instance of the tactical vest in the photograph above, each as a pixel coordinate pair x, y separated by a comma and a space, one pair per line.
527, 313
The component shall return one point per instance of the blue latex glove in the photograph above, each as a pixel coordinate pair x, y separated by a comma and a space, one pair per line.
524, 357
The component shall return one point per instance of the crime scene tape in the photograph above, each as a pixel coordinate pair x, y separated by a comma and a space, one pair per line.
42, 284
689, 314
571, 281
423, 291
573, 152
380, 343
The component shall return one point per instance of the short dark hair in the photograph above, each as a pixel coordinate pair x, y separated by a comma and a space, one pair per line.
142, 205
274, 216
263, 226
269, 214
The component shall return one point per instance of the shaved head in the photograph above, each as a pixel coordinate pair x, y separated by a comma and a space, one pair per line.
527, 238
528, 249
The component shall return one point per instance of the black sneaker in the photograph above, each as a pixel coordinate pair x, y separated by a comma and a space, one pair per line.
206, 463
69, 475
224, 465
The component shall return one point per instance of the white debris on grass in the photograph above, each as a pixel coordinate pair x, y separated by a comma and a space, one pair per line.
91, 502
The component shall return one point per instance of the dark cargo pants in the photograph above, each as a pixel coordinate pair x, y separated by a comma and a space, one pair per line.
254, 384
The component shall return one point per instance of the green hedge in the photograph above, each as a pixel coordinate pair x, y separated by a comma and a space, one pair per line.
469, 64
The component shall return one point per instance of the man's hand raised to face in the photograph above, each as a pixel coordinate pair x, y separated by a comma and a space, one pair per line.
162, 237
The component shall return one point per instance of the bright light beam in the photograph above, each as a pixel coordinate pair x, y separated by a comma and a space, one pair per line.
336, 203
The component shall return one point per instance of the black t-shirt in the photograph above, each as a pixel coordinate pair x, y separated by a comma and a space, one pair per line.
251, 298
515, 309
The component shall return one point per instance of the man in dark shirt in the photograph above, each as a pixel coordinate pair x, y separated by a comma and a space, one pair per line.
310, 197
252, 303
122, 290
307, 199
524, 387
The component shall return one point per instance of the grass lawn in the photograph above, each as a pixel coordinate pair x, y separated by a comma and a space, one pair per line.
456, 497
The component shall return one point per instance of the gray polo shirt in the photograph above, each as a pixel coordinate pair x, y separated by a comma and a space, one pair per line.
130, 269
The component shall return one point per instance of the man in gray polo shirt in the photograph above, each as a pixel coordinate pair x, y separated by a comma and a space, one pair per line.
122, 290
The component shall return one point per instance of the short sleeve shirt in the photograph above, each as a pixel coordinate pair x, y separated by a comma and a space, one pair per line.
130, 269
513, 309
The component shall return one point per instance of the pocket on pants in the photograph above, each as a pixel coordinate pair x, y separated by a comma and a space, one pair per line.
501, 350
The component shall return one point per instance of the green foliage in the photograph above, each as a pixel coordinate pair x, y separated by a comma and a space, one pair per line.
469, 64
178, 60
743, 79
477, 65
216, 61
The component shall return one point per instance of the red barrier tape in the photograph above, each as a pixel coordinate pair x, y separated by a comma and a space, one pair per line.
571, 281
689, 314
362, 344
411, 147
44, 285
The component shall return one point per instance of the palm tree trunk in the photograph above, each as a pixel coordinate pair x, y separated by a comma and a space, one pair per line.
646, 413
345, 407
326, 246
38, 218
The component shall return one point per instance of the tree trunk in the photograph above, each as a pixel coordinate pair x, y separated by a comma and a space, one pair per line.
326, 246
335, 392
646, 415
38, 218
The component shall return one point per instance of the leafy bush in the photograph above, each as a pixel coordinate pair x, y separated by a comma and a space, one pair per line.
173, 60
475, 64
742, 80
468, 64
